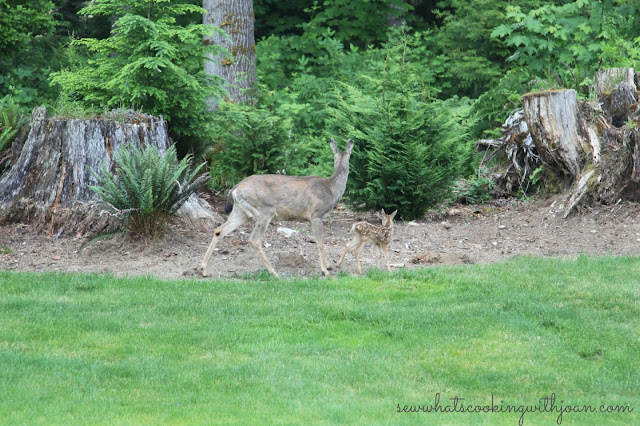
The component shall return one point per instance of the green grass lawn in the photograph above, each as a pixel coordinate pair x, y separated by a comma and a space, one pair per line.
95, 349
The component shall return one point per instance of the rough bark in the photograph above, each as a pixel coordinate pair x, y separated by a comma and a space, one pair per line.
236, 18
554, 122
593, 148
48, 183
395, 15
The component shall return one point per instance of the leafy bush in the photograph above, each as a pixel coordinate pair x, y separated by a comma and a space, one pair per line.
474, 189
150, 62
147, 187
566, 44
12, 124
28, 50
409, 147
255, 140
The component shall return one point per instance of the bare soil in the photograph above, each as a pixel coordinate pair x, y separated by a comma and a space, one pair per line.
454, 235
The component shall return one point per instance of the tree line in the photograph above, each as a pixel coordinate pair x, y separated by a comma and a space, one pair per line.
412, 82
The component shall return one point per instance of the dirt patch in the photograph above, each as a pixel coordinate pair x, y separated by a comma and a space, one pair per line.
456, 235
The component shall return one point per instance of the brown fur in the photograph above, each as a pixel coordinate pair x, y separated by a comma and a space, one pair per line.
365, 232
264, 197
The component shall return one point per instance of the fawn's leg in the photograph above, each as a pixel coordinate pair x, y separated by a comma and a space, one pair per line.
378, 255
356, 252
351, 244
256, 241
385, 250
317, 227
236, 219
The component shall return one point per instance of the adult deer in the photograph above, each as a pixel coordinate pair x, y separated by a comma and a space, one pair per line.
264, 197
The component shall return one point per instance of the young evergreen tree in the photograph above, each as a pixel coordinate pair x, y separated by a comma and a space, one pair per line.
409, 147
149, 62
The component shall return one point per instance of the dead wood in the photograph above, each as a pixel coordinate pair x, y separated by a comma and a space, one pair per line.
49, 181
591, 147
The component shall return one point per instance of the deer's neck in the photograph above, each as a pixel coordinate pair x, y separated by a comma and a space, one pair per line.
338, 181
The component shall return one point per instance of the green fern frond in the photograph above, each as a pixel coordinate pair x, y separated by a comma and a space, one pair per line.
148, 186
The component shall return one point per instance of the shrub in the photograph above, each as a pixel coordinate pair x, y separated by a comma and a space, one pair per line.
409, 147
147, 187
255, 140
12, 124
150, 61
474, 189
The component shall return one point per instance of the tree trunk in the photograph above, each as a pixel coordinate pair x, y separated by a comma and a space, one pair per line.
395, 15
236, 18
48, 183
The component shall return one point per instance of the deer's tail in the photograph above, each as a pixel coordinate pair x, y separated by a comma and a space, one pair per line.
229, 206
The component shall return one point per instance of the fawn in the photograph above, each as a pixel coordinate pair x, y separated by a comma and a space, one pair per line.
263, 197
364, 232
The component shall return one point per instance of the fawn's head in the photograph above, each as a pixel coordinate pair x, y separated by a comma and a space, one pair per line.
387, 219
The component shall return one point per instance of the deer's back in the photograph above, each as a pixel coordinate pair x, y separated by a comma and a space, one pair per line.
287, 197
373, 233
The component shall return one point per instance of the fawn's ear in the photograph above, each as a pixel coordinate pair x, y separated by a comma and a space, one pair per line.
394, 214
383, 213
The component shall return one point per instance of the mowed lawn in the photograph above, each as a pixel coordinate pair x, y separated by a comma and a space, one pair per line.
377, 349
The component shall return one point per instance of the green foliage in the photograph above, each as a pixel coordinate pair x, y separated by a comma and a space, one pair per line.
361, 23
358, 23
473, 190
409, 147
147, 187
255, 140
149, 62
12, 124
498, 102
28, 50
566, 44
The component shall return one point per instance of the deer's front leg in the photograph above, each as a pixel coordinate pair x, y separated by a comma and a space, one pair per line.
236, 219
317, 228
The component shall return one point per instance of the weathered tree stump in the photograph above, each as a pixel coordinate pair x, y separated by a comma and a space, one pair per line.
594, 151
607, 80
591, 148
557, 129
48, 183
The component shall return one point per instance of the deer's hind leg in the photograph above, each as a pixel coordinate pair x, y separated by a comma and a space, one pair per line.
256, 241
236, 219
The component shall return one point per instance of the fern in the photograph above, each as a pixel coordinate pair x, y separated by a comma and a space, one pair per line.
147, 187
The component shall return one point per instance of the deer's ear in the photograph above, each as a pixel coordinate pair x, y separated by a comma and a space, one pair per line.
383, 213
349, 147
334, 147
394, 214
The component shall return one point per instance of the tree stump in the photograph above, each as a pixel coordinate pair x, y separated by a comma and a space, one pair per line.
593, 150
48, 183
555, 124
